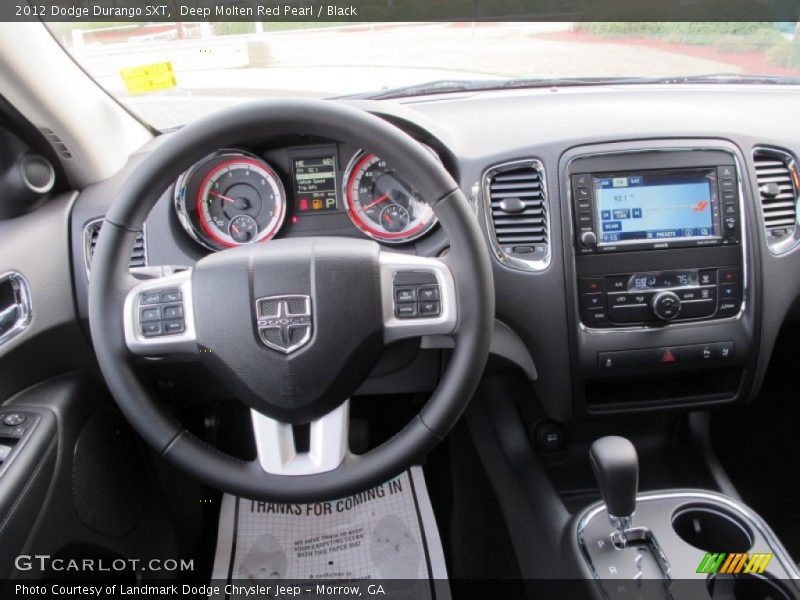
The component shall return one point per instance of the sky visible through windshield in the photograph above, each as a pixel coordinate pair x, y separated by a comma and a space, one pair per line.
213, 65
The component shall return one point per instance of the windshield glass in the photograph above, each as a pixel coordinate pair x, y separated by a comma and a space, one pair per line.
171, 73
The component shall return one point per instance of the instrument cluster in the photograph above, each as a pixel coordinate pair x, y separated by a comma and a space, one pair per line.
234, 197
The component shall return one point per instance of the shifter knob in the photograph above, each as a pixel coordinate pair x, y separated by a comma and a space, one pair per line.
616, 468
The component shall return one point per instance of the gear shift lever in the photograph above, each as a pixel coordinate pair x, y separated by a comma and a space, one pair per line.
616, 468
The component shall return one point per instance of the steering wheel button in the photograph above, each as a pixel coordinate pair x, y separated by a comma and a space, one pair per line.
149, 298
428, 309
150, 314
173, 312
13, 419
406, 311
429, 293
173, 326
171, 296
151, 328
405, 294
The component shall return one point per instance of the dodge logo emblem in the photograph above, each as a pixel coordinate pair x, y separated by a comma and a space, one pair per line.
284, 322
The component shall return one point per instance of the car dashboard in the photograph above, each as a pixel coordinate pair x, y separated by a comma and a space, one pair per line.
644, 238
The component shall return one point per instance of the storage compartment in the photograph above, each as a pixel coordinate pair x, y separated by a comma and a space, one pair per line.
746, 586
712, 529
667, 388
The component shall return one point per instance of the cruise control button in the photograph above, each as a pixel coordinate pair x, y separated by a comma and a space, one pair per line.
429, 309
406, 311
408, 294
149, 314
151, 328
429, 293
174, 326
173, 312
18, 431
149, 298
171, 296
14, 419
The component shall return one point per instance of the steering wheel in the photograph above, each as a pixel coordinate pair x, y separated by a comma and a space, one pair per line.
291, 327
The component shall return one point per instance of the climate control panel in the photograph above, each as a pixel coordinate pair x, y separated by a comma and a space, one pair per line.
653, 297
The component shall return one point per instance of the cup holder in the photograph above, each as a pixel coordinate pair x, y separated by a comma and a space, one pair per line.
711, 529
746, 586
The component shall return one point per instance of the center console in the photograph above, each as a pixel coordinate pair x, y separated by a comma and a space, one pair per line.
676, 543
660, 273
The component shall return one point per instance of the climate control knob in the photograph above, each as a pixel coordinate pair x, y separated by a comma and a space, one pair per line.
666, 305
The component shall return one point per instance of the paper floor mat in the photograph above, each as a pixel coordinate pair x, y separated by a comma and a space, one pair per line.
386, 533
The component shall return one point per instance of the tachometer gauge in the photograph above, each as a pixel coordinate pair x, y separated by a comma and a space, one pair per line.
382, 204
230, 199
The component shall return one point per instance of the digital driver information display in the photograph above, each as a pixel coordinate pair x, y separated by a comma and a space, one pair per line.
659, 205
315, 184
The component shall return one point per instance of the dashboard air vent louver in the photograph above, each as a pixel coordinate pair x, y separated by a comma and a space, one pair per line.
778, 186
91, 233
59, 146
516, 209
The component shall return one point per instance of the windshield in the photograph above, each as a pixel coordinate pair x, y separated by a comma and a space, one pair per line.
171, 73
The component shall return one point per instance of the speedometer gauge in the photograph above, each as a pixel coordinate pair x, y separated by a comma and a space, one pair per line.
231, 199
382, 204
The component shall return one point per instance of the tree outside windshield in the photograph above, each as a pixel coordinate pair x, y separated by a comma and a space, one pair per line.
212, 65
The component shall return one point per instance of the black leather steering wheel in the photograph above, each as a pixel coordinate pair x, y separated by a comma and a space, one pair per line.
334, 297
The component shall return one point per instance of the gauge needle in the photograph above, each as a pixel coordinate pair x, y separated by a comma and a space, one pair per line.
221, 197
375, 202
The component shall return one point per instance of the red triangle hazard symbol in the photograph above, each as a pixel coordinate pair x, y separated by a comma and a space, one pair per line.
668, 356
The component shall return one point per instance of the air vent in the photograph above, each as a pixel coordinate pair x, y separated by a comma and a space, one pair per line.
91, 233
55, 141
517, 210
778, 183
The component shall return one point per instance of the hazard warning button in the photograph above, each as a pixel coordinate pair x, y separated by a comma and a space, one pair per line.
664, 356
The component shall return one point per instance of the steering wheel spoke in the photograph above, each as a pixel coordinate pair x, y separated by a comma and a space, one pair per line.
418, 296
158, 316
281, 453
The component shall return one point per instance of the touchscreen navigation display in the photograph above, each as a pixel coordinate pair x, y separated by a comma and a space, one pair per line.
655, 205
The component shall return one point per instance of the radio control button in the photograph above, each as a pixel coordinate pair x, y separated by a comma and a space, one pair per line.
583, 193
588, 238
584, 180
666, 305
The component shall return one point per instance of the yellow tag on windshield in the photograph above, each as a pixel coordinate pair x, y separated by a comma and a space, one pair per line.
149, 78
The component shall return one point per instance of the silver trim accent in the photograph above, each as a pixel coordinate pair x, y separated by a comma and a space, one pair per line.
328, 443
284, 321
791, 241
183, 343
394, 328
514, 262
87, 245
740, 509
659, 326
22, 303
360, 153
